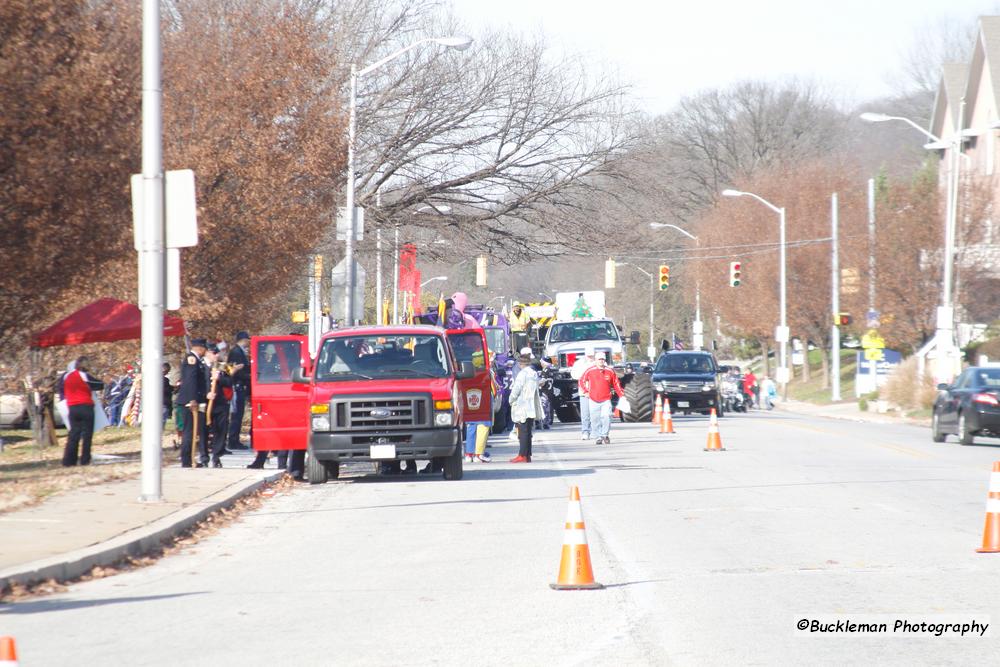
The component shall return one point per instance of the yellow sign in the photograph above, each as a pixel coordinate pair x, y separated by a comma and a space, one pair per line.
874, 354
872, 340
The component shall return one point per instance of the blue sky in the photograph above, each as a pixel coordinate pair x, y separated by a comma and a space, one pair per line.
672, 49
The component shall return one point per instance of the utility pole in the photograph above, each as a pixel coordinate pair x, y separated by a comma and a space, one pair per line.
834, 301
378, 257
349, 204
871, 245
151, 262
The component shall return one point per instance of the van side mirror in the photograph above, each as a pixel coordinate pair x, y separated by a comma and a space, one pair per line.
299, 376
466, 371
634, 338
943, 386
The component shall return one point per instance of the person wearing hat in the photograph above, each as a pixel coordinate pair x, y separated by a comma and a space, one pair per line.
519, 320
525, 407
220, 391
239, 361
598, 383
192, 395
581, 366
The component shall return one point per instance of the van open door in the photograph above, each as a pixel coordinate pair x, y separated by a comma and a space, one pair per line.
469, 345
279, 407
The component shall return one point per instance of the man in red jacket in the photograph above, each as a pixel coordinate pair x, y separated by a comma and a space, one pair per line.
77, 387
598, 382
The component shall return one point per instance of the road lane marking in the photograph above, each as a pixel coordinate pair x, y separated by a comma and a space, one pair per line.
884, 445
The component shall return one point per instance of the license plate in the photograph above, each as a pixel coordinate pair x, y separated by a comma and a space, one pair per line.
683, 404
383, 452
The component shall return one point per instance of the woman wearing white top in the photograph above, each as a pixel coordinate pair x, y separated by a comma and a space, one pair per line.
525, 406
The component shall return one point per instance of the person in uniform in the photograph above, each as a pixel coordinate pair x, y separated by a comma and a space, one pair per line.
239, 359
192, 396
220, 389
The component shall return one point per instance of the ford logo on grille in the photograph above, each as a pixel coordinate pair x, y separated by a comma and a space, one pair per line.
381, 412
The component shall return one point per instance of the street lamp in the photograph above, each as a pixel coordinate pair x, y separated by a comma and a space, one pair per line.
457, 43
650, 350
543, 294
430, 280
781, 335
696, 338
944, 334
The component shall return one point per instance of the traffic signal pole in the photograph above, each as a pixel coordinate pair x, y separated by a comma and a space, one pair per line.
835, 303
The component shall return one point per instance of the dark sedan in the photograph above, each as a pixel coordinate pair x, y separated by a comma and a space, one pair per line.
970, 407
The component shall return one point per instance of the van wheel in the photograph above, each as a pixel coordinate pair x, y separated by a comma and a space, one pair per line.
315, 470
453, 463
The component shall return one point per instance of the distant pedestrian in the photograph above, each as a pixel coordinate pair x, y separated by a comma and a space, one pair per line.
220, 390
239, 361
525, 407
581, 366
770, 391
192, 395
168, 394
598, 382
519, 320
751, 389
77, 388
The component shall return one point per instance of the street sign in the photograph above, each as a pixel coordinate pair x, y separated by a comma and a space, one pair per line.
181, 221
344, 223
850, 281
872, 339
338, 292
871, 319
781, 334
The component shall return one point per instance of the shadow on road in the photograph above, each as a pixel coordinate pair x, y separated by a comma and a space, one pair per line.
45, 606
473, 472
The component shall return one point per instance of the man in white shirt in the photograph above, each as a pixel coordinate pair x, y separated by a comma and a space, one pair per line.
581, 366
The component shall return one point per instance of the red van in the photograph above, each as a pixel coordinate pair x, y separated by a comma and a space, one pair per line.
387, 393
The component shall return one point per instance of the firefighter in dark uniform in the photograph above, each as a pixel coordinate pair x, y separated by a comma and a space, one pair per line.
192, 398
220, 390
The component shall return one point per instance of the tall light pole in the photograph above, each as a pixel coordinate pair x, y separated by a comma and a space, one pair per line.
457, 43
781, 335
696, 338
151, 255
944, 339
651, 352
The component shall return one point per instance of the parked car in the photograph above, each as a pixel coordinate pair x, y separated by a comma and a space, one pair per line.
969, 407
13, 411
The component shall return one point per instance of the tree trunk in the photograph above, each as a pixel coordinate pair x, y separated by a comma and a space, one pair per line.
805, 361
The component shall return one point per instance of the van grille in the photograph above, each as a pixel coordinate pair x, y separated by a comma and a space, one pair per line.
380, 413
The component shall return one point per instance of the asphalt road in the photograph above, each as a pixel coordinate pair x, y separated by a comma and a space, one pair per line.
708, 559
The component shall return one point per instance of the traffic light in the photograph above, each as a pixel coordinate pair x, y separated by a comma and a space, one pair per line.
664, 276
842, 319
735, 270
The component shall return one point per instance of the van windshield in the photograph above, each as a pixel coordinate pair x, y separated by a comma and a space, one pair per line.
496, 340
566, 332
381, 357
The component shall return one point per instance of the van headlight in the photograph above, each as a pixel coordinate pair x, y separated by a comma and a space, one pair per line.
709, 386
443, 419
321, 422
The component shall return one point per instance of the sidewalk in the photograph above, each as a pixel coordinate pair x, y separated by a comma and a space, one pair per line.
848, 410
67, 535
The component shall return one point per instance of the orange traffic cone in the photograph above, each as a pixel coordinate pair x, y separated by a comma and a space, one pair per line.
575, 571
8, 652
714, 441
658, 410
991, 531
666, 419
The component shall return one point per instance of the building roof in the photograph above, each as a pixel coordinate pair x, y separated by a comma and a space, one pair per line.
954, 77
986, 53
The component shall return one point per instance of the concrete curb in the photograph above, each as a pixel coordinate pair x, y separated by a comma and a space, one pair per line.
135, 542
875, 418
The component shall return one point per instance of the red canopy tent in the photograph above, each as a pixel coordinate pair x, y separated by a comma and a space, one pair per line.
103, 321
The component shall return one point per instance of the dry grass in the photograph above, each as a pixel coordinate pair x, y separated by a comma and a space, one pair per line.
907, 390
29, 474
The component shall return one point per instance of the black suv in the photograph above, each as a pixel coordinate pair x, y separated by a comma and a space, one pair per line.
689, 380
